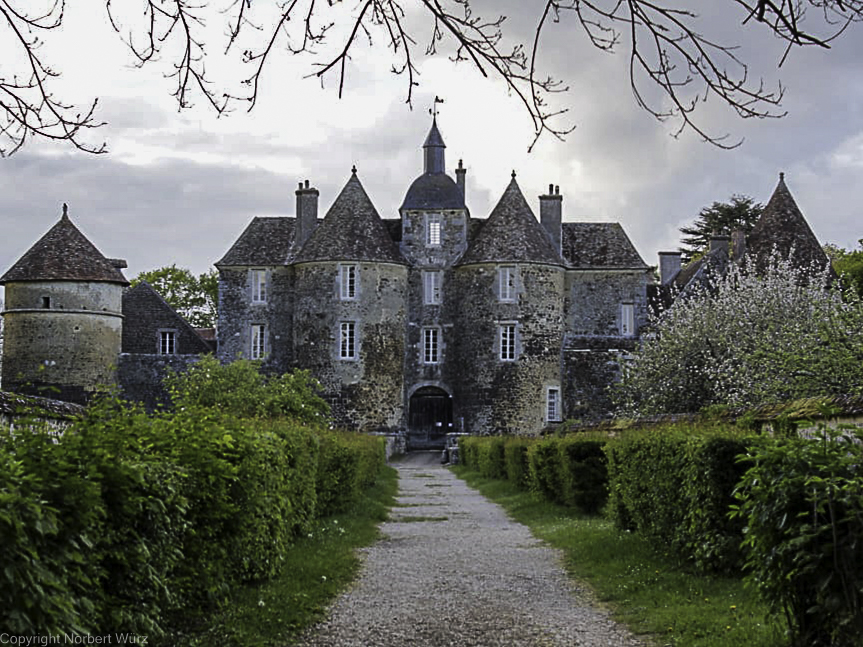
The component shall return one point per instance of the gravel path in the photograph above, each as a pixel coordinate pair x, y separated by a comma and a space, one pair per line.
453, 569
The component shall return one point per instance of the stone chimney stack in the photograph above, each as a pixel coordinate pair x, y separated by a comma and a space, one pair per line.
459, 177
718, 242
669, 266
551, 214
307, 212
738, 244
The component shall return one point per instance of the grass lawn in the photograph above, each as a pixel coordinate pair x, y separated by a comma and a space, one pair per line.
317, 568
651, 592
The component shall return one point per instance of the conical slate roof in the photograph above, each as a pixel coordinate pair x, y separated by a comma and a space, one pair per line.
783, 228
512, 234
351, 231
434, 137
63, 254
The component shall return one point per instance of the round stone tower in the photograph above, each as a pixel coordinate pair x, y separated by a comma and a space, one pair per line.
63, 317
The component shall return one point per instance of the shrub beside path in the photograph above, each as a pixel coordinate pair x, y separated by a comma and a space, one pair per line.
453, 569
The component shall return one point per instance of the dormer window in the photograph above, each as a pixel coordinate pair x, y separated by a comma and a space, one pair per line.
433, 229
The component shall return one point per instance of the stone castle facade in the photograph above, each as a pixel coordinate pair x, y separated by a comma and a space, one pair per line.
429, 322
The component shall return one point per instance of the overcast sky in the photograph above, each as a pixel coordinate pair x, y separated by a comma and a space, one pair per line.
180, 187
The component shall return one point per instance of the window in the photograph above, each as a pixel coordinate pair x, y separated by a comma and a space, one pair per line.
259, 341
167, 342
347, 282
348, 340
46, 302
506, 283
259, 286
627, 319
552, 404
507, 342
431, 287
431, 345
433, 229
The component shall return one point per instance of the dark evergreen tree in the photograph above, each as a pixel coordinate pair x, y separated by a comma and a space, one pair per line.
720, 218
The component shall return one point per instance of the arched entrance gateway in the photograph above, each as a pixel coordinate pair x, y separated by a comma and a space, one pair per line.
430, 418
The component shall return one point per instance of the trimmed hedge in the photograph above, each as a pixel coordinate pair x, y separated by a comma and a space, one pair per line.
675, 486
129, 518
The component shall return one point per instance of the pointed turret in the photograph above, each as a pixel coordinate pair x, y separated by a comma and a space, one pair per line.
783, 229
351, 231
64, 254
433, 151
512, 234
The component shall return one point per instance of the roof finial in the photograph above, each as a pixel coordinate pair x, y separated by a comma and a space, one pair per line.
433, 109
513, 174
781, 176
354, 169
65, 210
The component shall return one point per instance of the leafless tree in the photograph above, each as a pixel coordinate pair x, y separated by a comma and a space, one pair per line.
665, 44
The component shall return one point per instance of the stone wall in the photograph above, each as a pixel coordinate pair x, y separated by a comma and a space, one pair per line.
140, 376
61, 339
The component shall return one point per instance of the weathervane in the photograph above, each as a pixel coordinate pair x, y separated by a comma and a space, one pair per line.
433, 109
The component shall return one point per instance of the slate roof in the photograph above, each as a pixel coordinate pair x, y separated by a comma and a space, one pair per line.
511, 234
63, 254
351, 231
266, 241
783, 227
145, 313
434, 137
433, 191
587, 245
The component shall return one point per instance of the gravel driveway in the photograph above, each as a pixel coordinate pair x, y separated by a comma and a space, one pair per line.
453, 569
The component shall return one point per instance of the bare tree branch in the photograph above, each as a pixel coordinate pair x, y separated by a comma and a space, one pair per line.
666, 49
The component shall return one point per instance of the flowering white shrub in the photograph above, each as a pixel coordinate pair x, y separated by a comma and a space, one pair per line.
750, 339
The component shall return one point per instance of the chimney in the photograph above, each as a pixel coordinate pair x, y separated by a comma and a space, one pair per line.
459, 177
718, 242
669, 266
550, 214
307, 212
738, 244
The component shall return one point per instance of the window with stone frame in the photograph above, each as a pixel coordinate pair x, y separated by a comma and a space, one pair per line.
432, 287
433, 229
506, 284
348, 340
431, 345
507, 342
627, 319
258, 336
552, 404
259, 286
348, 275
167, 342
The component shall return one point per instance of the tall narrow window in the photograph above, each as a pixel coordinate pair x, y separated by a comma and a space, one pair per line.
507, 342
433, 229
552, 404
347, 282
348, 340
627, 319
167, 342
506, 283
431, 287
431, 345
259, 341
259, 286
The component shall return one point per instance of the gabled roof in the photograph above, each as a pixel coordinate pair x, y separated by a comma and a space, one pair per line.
64, 254
351, 231
145, 313
512, 234
587, 245
782, 227
266, 241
